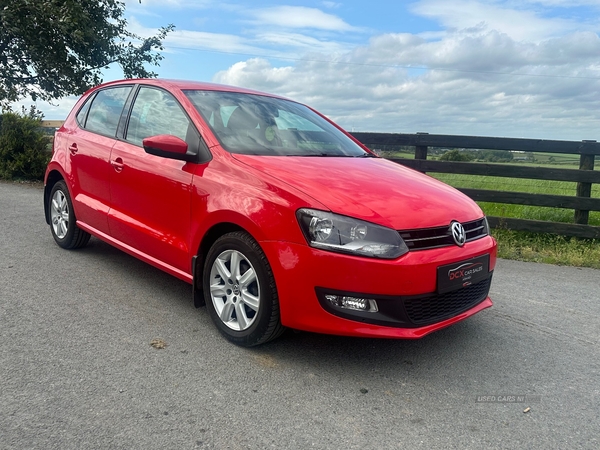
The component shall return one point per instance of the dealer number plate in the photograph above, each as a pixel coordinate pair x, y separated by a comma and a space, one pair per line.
462, 274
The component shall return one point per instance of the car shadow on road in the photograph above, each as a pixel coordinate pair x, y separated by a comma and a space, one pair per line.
457, 352
125, 268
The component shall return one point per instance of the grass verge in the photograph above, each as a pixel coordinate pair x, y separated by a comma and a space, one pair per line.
547, 248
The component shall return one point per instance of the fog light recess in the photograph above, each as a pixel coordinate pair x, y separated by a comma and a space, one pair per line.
353, 303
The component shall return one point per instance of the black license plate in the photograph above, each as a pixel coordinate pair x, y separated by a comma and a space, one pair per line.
462, 274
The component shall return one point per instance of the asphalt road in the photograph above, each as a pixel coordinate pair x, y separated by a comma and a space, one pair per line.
77, 370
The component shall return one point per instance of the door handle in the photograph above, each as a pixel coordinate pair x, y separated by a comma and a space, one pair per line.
117, 164
73, 149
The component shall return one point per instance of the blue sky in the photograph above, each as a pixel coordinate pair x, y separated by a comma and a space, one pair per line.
518, 68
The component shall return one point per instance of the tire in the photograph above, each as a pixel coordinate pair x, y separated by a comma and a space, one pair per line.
63, 225
241, 296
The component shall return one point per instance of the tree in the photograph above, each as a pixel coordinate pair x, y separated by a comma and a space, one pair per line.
496, 155
455, 155
53, 48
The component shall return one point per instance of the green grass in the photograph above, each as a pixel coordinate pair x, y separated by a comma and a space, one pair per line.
547, 248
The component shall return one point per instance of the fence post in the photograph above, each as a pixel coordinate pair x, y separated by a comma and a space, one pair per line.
586, 162
421, 151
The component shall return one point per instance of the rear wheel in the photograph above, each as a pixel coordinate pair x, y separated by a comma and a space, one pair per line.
62, 219
240, 290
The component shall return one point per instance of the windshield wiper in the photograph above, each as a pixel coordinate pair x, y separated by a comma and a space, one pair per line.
320, 155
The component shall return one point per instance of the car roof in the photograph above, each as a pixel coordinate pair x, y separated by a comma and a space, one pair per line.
183, 85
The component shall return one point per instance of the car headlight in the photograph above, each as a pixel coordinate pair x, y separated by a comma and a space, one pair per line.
343, 234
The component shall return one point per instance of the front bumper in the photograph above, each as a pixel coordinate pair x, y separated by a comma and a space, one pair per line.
405, 289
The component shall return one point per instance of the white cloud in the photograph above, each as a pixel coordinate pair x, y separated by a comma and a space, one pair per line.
212, 41
483, 83
274, 43
331, 5
199, 40
254, 72
299, 17
480, 52
301, 42
520, 24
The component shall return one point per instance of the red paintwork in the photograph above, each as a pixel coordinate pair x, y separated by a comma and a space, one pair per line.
412, 274
167, 143
150, 209
371, 190
86, 172
160, 209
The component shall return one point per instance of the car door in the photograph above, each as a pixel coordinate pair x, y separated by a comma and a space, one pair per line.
150, 195
89, 147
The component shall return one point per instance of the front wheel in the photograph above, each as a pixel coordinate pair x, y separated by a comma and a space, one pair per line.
240, 290
64, 230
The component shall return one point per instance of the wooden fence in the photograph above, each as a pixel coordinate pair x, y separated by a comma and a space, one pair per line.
53, 124
49, 127
585, 176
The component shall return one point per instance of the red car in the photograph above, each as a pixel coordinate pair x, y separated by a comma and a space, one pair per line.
275, 215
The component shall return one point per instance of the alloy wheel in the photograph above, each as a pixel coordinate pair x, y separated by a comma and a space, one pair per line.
235, 290
59, 214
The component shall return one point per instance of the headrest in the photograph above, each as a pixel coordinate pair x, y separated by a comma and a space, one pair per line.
241, 119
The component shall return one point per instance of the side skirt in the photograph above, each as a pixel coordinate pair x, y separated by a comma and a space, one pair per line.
137, 254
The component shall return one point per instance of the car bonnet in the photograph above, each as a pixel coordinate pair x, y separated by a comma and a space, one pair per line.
371, 189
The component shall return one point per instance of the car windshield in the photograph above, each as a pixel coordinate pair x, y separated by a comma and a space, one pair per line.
260, 125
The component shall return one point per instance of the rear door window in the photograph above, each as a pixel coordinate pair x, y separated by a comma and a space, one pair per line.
105, 111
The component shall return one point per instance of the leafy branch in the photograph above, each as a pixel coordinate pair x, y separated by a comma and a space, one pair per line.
53, 48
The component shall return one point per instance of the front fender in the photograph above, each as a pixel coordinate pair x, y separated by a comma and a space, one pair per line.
228, 192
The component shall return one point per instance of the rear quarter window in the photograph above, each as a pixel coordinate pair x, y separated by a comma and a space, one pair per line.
83, 112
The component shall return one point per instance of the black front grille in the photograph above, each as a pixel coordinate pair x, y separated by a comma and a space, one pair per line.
411, 311
422, 311
427, 238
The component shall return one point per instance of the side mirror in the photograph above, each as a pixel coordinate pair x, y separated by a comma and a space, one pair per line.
167, 146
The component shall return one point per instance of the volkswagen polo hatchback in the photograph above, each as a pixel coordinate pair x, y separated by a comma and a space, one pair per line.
275, 215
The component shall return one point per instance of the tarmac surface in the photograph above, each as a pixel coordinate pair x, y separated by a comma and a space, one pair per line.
77, 369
